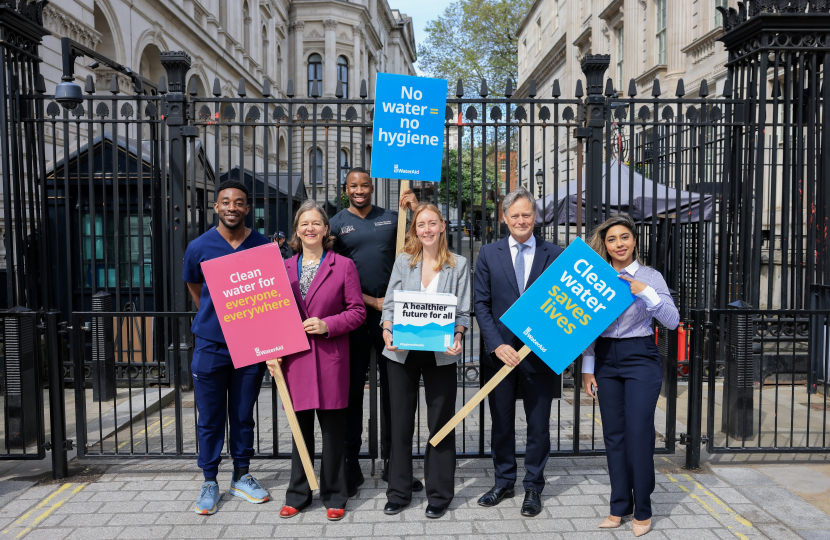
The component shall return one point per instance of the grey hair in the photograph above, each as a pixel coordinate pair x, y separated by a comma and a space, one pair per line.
515, 195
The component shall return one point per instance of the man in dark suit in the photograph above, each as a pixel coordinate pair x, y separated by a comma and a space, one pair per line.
503, 271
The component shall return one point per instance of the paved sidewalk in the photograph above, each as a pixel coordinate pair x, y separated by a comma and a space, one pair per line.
155, 499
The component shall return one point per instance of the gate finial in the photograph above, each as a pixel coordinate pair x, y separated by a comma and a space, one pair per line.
556, 92
680, 91
89, 87
632, 88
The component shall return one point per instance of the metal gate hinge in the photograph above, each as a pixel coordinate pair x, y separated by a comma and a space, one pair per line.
684, 439
47, 446
188, 131
69, 444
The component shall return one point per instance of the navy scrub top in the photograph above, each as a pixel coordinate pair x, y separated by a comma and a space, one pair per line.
370, 243
210, 246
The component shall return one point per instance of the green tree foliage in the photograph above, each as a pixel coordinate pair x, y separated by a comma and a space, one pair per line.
474, 40
467, 179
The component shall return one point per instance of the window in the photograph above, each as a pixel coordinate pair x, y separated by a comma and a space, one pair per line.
618, 33
315, 73
344, 165
718, 16
503, 165
131, 257
343, 74
660, 28
223, 14
316, 167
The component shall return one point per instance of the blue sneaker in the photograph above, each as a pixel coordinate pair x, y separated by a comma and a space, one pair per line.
208, 499
249, 489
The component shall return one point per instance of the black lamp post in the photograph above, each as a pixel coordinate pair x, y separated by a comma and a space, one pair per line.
540, 180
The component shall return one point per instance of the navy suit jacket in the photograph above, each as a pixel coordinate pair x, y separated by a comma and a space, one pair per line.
496, 290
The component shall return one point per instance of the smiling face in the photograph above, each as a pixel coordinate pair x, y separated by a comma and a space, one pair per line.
620, 243
359, 189
428, 227
311, 229
231, 207
520, 218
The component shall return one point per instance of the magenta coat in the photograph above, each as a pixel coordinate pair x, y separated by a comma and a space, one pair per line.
319, 378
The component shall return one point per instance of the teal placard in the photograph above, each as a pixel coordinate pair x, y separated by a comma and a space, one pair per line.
568, 306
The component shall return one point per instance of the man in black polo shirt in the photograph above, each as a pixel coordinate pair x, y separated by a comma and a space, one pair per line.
367, 235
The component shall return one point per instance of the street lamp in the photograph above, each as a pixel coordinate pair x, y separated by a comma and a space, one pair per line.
540, 179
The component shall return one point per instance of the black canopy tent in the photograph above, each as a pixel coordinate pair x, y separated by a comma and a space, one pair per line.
631, 193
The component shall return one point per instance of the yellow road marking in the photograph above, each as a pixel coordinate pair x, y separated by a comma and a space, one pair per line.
594, 418
740, 519
47, 512
150, 434
22, 518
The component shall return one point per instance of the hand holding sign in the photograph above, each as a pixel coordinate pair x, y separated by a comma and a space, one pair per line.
564, 310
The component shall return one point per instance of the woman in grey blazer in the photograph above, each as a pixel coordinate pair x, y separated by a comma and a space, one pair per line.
426, 264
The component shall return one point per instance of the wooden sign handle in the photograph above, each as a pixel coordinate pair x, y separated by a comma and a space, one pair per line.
295, 428
476, 399
401, 220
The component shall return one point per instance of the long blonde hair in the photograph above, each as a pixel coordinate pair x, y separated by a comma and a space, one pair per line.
415, 249
597, 238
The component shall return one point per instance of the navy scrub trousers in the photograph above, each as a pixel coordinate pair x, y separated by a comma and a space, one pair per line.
629, 376
223, 392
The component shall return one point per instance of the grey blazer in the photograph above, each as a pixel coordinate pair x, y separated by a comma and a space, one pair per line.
452, 280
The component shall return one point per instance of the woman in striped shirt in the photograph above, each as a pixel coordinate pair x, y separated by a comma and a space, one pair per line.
625, 363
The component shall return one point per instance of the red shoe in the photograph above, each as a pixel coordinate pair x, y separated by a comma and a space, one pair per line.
335, 514
288, 512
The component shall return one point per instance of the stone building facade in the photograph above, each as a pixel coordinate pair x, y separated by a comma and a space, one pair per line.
252, 40
646, 39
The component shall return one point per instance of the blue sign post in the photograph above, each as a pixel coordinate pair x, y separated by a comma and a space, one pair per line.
568, 306
408, 127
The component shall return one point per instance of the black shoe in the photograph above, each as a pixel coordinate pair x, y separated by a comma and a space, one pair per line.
434, 511
416, 484
393, 508
354, 477
532, 504
495, 496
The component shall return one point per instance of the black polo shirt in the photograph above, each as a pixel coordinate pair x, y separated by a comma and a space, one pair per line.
370, 243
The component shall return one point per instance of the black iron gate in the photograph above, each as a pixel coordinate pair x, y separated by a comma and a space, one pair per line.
730, 194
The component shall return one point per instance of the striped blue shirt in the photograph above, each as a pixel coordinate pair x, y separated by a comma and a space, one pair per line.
654, 302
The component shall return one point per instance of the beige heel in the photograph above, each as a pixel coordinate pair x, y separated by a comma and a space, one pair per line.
641, 528
610, 523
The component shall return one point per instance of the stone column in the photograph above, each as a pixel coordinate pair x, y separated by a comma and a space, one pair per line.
354, 84
365, 68
632, 40
282, 64
300, 86
677, 26
373, 71
330, 61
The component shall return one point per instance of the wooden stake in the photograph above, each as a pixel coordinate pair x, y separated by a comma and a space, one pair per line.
401, 221
295, 428
476, 399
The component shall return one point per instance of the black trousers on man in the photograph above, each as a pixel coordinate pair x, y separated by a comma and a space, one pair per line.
440, 389
362, 340
333, 490
537, 395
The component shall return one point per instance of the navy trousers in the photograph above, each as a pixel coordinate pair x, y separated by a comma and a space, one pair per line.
224, 393
537, 396
629, 376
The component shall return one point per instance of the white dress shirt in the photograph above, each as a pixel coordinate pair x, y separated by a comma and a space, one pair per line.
529, 253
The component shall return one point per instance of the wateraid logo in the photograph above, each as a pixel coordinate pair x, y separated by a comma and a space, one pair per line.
533, 339
267, 351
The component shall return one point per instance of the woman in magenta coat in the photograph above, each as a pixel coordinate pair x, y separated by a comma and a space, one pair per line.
328, 294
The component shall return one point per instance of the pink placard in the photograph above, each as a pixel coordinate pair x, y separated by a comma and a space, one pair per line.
255, 305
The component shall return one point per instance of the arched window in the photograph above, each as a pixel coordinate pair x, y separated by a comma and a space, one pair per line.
316, 167
343, 74
315, 73
344, 164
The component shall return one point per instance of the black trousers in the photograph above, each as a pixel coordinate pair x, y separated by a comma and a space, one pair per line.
440, 388
362, 340
333, 490
629, 376
537, 395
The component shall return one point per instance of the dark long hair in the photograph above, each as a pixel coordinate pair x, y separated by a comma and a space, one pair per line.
597, 239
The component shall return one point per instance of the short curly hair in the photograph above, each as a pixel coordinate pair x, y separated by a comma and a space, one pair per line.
296, 244
233, 184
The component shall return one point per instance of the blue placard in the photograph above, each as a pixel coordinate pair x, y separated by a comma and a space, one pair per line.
408, 127
568, 306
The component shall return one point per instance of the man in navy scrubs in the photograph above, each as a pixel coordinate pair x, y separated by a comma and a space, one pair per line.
367, 235
221, 391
